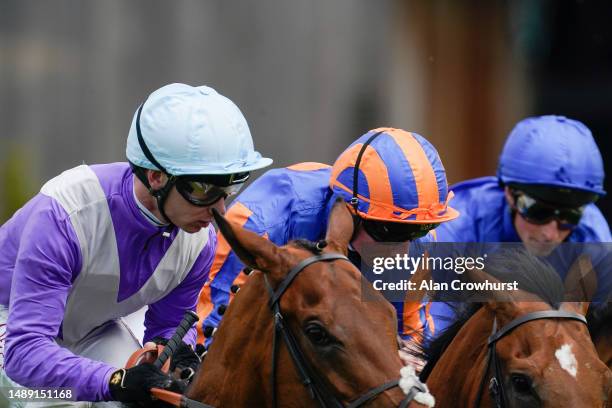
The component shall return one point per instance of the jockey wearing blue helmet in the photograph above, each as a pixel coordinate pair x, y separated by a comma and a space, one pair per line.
550, 174
101, 242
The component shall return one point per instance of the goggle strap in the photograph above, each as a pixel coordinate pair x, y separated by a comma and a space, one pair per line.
143, 145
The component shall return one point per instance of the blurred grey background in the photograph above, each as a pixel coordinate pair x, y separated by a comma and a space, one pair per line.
309, 75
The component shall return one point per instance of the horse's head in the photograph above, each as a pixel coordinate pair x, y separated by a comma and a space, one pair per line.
551, 362
349, 345
536, 348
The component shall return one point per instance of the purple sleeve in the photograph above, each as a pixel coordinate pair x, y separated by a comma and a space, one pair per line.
47, 262
164, 316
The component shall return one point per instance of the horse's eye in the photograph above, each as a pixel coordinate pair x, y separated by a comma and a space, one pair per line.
317, 334
521, 383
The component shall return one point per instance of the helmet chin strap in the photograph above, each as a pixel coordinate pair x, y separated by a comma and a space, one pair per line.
161, 195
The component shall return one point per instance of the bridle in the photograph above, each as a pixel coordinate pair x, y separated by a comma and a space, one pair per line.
496, 384
309, 377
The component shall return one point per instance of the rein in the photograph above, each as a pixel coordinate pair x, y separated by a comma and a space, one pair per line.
316, 387
496, 384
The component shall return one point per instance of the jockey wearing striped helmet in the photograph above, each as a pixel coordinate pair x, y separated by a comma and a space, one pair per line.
393, 182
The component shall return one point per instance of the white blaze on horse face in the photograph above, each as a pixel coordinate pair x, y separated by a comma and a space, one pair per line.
567, 360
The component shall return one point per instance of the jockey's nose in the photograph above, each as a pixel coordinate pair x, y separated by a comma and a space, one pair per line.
549, 231
219, 206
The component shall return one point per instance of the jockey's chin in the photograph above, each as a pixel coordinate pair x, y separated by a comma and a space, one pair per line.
194, 227
540, 248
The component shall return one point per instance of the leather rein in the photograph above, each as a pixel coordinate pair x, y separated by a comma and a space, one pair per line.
309, 377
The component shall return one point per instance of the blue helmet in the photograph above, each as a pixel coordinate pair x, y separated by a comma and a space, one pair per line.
552, 151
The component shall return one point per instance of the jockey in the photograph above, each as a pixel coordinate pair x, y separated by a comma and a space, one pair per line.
550, 174
101, 242
394, 184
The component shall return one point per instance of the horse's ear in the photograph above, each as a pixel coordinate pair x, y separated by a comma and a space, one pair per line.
501, 302
339, 227
580, 285
255, 251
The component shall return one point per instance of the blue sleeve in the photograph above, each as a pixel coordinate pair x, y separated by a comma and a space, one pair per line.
461, 229
225, 274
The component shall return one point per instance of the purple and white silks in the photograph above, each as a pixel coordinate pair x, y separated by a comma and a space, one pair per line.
42, 267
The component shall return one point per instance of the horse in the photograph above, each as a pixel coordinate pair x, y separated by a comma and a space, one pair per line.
298, 333
518, 349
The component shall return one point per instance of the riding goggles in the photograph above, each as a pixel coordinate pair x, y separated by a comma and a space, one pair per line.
381, 231
205, 190
539, 213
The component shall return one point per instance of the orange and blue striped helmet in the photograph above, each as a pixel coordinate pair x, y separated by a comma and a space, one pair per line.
395, 176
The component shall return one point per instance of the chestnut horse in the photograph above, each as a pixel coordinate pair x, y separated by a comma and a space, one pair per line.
299, 334
519, 349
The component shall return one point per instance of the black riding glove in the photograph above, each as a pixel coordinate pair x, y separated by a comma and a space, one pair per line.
134, 384
186, 360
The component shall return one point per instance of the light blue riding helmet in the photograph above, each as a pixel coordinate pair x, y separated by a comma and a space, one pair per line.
552, 151
193, 130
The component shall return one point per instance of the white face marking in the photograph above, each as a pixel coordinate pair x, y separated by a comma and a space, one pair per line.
567, 360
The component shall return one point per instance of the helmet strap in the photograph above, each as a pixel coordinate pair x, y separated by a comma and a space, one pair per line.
143, 145
355, 199
161, 195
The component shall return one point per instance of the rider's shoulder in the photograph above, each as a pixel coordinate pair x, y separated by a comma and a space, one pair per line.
478, 185
86, 184
593, 227
477, 195
278, 193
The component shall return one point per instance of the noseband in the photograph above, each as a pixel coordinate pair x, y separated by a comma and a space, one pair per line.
496, 384
309, 377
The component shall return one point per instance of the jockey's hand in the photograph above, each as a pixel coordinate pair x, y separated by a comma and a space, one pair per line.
134, 384
186, 361
409, 353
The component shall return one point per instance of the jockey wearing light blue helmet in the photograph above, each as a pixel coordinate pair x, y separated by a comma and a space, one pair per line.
198, 138
98, 244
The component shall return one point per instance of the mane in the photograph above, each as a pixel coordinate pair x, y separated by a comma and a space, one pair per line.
313, 247
533, 275
598, 320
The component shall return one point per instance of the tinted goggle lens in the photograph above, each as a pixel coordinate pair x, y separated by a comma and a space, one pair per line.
203, 194
540, 213
382, 231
